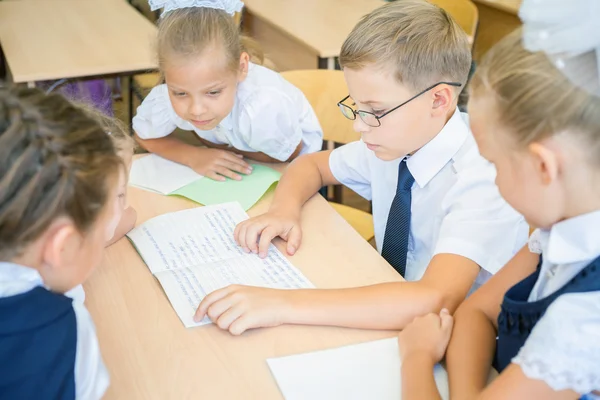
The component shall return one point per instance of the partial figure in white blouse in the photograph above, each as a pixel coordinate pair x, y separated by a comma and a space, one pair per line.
60, 175
214, 87
535, 113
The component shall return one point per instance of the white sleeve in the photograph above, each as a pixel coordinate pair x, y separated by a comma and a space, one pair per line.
479, 224
155, 117
349, 164
91, 376
563, 350
270, 123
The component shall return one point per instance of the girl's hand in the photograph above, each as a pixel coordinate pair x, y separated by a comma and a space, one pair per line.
427, 335
238, 308
217, 164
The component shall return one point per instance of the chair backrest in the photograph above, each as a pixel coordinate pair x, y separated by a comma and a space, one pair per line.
323, 89
465, 14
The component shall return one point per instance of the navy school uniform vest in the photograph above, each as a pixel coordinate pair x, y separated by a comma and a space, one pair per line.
518, 317
38, 346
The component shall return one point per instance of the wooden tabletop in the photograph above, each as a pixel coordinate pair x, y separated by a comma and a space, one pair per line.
44, 40
509, 6
321, 25
149, 353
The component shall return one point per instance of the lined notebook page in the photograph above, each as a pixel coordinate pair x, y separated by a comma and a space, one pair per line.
193, 253
160, 175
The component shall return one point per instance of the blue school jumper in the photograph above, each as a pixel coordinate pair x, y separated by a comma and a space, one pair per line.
38, 346
518, 317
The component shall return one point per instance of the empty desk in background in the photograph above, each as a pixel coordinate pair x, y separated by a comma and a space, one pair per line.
304, 34
60, 39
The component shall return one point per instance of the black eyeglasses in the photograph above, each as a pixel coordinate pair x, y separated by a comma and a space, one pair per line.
373, 120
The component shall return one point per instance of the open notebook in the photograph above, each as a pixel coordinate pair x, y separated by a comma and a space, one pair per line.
363, 371
157, 174
193, 253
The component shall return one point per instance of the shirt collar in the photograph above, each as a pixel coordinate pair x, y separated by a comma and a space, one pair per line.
431, 158
572, 240
16, 279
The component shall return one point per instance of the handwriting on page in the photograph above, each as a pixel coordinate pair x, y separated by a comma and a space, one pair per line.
188, 238
192, 253
187, 287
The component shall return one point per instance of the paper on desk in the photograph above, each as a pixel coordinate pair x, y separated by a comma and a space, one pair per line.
193, 253
247, 191
160, 175
364, 371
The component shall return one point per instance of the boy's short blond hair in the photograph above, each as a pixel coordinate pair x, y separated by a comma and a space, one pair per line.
419, 40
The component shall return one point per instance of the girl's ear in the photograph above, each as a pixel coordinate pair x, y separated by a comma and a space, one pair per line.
545, 161
244, 65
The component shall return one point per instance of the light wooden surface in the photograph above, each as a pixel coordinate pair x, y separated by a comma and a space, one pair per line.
508, 6
464, 12
308, 29
149, 353
497, 18
323, 90
44, 40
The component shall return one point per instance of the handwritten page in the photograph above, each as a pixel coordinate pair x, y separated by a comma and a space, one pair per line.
363, 371
160, 175
193, 253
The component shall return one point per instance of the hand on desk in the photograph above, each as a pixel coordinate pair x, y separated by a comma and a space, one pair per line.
238, 308
426, 336
255, 234
217, 164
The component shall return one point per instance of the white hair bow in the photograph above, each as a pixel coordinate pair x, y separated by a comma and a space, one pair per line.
569, 33
229, 6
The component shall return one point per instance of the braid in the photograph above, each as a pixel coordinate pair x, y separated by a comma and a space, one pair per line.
54, 161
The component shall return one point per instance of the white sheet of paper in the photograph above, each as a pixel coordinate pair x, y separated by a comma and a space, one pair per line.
192, 253
160, 175
366, 371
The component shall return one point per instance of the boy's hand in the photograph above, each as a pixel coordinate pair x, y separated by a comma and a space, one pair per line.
217, 164
255, 234
427, 335
238, 308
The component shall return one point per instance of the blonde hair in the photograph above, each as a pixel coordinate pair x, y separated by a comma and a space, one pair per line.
55, 162
533, 99
420, 40
187, 32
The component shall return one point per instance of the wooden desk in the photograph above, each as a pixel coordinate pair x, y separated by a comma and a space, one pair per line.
149, 353
304, 34
46, 40
497, 18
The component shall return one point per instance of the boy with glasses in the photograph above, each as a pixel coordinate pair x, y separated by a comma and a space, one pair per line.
439, 219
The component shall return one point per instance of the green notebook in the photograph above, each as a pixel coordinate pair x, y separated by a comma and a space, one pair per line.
163, 176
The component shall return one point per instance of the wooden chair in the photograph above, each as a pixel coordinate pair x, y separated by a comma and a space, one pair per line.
323, 89
465, 14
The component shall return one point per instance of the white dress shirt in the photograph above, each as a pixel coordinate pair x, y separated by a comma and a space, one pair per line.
456, 207
269, 115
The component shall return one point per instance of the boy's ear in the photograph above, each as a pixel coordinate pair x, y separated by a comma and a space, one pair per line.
443, 99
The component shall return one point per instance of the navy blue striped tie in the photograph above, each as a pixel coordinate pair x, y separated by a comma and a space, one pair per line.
395, 241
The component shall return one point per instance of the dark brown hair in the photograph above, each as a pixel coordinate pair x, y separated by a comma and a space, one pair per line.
54, 161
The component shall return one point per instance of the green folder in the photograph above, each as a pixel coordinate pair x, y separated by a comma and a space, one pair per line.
247, 191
